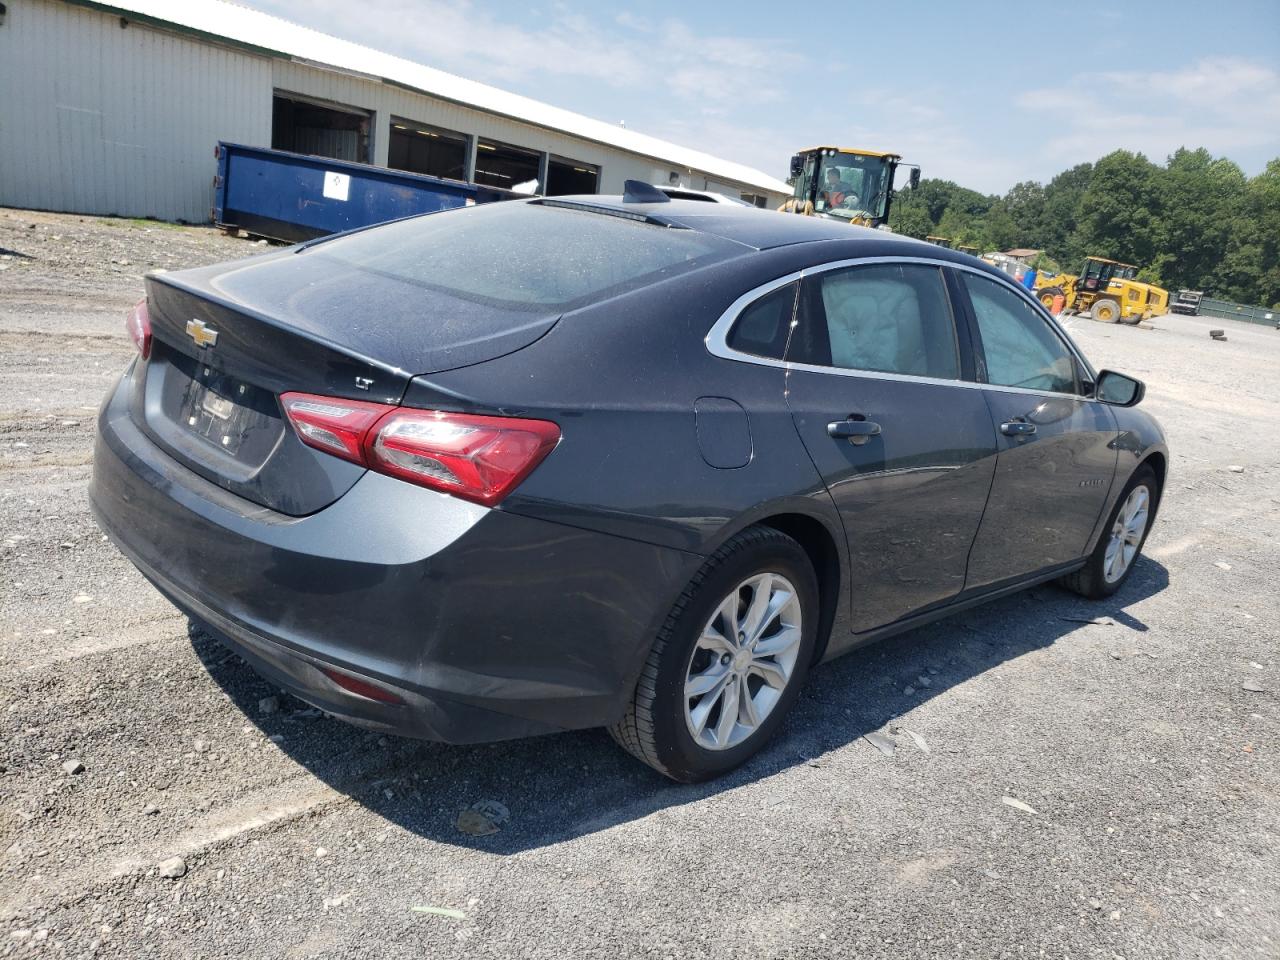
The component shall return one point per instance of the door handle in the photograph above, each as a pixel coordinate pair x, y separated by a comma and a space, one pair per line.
1017, 428
855, 431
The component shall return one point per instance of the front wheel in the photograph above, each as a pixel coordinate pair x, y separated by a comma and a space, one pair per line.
1046, 296
1116, 554
729, 661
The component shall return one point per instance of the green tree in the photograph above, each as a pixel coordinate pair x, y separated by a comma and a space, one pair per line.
1200, 201
1194, 222
1060, 219
910, 218
1120, 209
1025, 204
1250, 271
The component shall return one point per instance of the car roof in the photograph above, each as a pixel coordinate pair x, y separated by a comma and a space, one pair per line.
706, 196
760, 229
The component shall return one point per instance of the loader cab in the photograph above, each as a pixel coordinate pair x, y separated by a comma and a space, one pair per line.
1097, 274
855, 186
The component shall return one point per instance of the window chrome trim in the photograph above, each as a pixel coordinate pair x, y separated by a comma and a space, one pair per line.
717, 344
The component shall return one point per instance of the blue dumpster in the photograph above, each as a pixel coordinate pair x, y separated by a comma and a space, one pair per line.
293, 197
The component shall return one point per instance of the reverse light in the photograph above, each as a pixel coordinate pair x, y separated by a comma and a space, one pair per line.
138, 326
476, 458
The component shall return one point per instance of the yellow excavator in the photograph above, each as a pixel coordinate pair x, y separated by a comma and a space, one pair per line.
843, 183
1107, 290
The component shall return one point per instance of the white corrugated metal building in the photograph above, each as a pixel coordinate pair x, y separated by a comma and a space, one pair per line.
115, 108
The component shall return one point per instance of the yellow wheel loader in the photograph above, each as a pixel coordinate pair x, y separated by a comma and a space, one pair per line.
1107, 290
841, 183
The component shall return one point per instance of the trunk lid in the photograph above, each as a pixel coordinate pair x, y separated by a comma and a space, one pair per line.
228, 340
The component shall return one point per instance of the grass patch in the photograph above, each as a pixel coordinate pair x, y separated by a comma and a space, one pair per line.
137, 222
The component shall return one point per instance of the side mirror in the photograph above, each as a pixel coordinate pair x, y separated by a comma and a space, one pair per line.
915, 177
797, 164
1119, 390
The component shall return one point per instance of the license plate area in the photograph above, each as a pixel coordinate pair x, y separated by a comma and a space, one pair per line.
225, 412
216, 406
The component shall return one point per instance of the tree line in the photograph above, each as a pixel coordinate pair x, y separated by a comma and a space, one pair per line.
1197, 222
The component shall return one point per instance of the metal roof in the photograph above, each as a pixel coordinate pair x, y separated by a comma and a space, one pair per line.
858, 151
263, 33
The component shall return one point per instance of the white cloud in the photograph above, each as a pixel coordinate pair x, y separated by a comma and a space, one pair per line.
627, 52
1225, 104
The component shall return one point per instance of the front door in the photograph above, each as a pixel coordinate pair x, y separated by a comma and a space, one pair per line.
905, 447
1057, 449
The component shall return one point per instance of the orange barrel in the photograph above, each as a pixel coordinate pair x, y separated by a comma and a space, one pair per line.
1059, 304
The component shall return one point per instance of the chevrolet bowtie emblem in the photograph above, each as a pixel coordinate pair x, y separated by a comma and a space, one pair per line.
203, 334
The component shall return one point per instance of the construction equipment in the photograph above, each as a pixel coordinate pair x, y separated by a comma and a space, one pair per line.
1107, 290
939, 241
842, 183
1145, 300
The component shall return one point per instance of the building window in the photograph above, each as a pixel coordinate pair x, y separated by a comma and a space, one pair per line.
501, 165
333, 130
755, 199
570, 176
421, 149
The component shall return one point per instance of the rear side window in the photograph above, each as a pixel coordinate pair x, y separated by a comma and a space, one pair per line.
888, 318
1020, 349
761, 329
525, 255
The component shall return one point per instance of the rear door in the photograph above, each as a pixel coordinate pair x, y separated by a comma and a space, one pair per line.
1057, 452
877, 388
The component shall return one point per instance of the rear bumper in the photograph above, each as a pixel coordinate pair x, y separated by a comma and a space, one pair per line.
488, 625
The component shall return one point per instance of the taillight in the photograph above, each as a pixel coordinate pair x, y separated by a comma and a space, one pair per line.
334, 426
138, 324
477, 458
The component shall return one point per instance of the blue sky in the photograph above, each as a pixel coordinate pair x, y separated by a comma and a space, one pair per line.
983, 94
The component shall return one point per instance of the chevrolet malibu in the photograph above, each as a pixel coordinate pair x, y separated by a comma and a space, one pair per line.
628, 462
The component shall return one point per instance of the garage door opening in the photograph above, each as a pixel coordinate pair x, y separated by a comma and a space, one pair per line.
569, 176
500, 165
323, 130
421, 149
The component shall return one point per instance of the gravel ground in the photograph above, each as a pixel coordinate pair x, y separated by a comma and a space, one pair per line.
1150, 767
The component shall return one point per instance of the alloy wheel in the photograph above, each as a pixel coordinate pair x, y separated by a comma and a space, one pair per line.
1126, 534
742, 661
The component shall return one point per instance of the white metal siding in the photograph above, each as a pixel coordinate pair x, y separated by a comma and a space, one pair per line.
96, 118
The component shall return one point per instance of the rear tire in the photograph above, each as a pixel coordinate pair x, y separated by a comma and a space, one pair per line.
769, 660
1105, 311
1120, 544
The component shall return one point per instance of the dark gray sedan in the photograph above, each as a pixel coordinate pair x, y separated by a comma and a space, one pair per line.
595, 461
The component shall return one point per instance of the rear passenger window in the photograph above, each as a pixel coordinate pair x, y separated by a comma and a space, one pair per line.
762, 328
889, 318
1020, 349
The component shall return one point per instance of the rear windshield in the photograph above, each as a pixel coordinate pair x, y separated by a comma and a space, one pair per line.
524, 255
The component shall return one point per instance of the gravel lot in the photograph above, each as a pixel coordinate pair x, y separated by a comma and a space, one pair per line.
1150, 766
